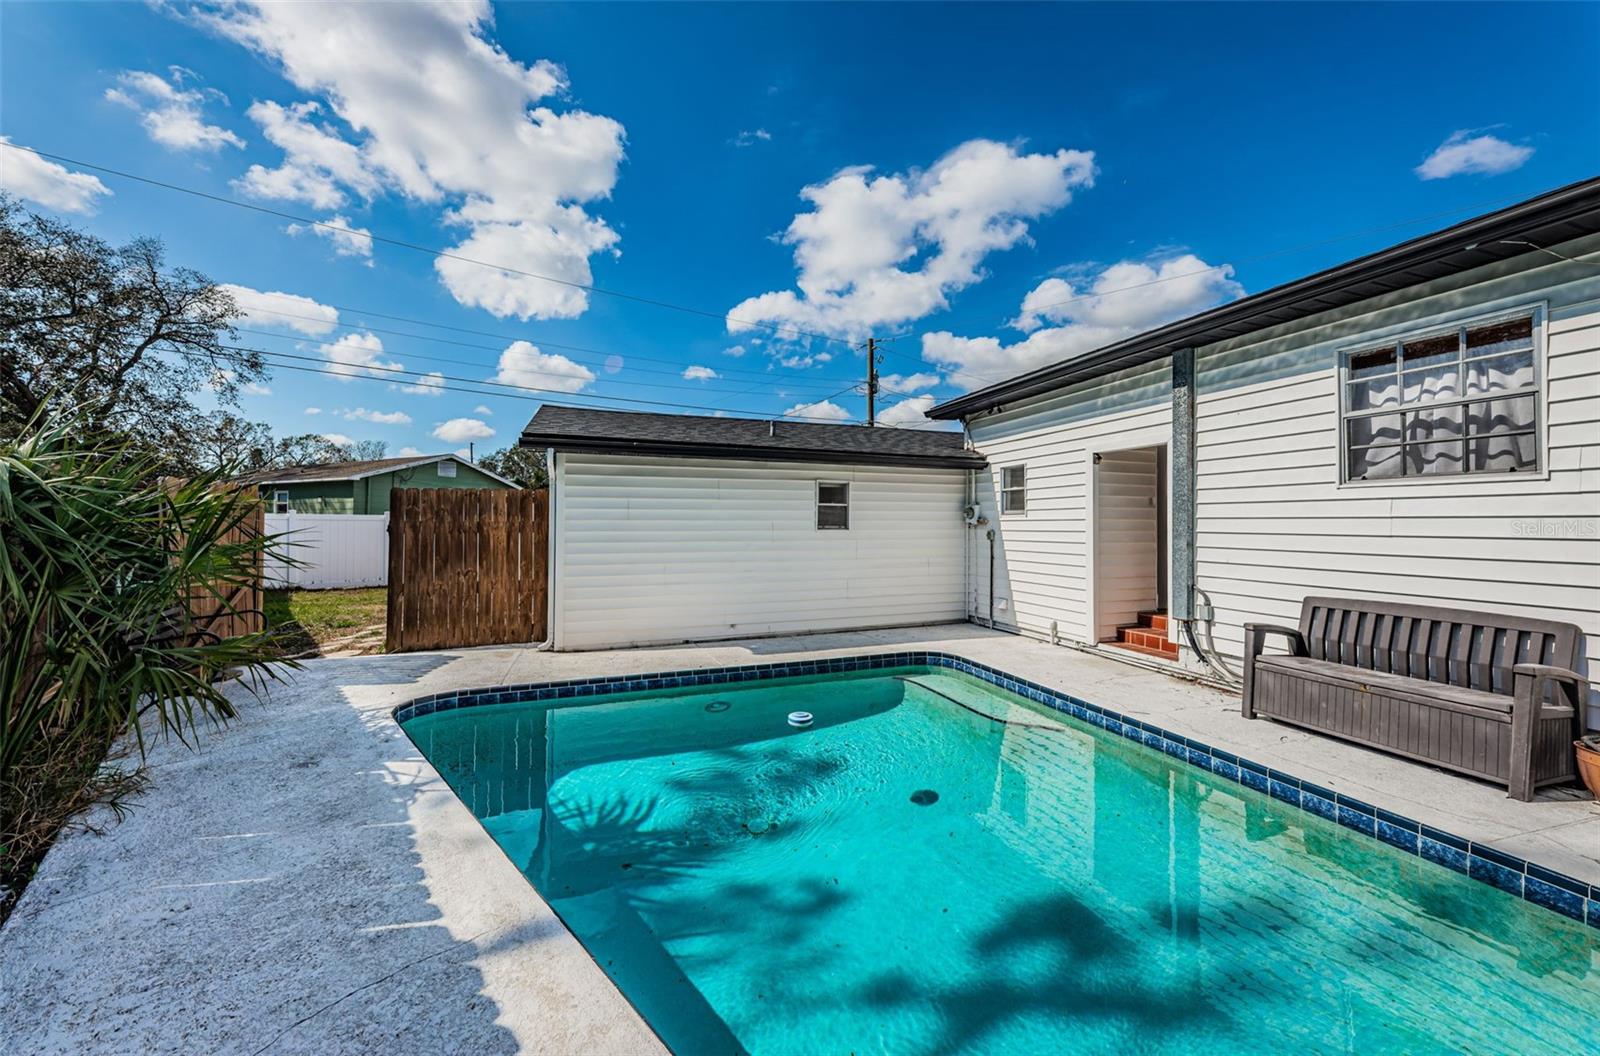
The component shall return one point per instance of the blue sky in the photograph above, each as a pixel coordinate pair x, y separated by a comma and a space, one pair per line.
991, 187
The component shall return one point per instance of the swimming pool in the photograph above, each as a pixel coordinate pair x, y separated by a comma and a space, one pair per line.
939, 864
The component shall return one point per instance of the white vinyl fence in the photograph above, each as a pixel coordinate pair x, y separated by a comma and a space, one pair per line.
330, 550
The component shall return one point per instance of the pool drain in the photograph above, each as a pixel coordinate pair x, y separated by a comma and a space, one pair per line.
800, 718
923, 797
718, 705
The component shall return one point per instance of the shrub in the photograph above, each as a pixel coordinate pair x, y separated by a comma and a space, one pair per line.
103, 566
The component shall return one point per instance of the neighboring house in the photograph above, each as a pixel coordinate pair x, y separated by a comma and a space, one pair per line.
668, 528
1419, 424
363, 487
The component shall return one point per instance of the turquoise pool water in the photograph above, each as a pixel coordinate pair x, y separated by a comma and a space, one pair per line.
911, 875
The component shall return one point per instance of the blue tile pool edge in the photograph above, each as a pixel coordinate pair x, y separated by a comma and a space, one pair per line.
1527, 880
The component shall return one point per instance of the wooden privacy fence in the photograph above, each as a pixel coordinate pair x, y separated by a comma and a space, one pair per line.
238, 610
466, 567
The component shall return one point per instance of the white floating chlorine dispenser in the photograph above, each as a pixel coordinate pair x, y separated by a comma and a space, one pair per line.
801, 719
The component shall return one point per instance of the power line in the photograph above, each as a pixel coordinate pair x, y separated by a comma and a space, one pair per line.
419, 248
421, 376
814, 384
254, 309
775, 328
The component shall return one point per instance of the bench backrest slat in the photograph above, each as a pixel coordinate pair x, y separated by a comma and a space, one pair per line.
1458, 647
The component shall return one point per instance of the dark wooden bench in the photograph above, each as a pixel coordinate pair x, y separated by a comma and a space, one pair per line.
1482, 693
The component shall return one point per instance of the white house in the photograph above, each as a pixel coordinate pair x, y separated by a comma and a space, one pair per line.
1420, 424
671, 528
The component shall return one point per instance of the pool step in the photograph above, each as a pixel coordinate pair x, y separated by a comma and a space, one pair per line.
1148, 637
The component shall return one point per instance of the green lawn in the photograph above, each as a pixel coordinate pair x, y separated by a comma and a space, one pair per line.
321, 622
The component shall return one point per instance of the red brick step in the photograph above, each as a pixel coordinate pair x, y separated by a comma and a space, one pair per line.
1148, 636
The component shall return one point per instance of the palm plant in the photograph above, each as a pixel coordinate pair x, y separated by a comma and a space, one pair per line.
103, 566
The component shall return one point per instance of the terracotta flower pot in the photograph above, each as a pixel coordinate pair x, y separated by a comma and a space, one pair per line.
1589, 763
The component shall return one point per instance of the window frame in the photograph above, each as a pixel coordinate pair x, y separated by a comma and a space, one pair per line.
1422, 330
818, 504
1021, 511
280, 497
440, 467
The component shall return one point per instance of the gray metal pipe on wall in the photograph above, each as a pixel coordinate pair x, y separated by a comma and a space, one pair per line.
1181, 599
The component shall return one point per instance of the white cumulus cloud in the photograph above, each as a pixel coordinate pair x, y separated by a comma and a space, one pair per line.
523, 364
420, 101
354, 354
338, 439
826, 410
347, 239
880, 250
313, 410
907, 383
736, 351
460, 430
170, 113
43, 182
1473, 153
483, 410
699, 373
429, 384
1063, 320
283, 311
361, 414
408, 452
912, 413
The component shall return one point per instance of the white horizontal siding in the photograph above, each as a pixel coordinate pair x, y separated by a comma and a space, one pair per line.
1274, 524
326, 550
1041, 557
652, 550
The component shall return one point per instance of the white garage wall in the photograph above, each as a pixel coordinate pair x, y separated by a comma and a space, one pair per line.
652, 550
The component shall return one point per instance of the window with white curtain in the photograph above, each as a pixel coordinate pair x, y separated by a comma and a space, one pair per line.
1445, 402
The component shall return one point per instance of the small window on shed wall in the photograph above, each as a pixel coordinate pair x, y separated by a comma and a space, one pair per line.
1014, 489
833, 505
446, 468
280, 502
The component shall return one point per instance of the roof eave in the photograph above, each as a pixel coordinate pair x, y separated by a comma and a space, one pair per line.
747, 452
1476, 236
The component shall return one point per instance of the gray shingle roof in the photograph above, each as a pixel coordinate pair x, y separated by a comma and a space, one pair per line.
779, 440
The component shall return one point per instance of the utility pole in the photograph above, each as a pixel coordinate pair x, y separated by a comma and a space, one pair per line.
872, 381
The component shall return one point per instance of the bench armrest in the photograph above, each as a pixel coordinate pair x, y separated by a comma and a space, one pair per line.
1532, 679
1550, 671
1527, 707
1255, 638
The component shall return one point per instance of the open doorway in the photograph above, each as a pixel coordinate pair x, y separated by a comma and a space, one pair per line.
1130, 525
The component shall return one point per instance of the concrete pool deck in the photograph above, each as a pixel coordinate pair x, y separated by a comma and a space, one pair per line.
305, 882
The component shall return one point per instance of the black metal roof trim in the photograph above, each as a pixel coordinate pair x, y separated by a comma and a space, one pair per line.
1557, 216
582, 429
